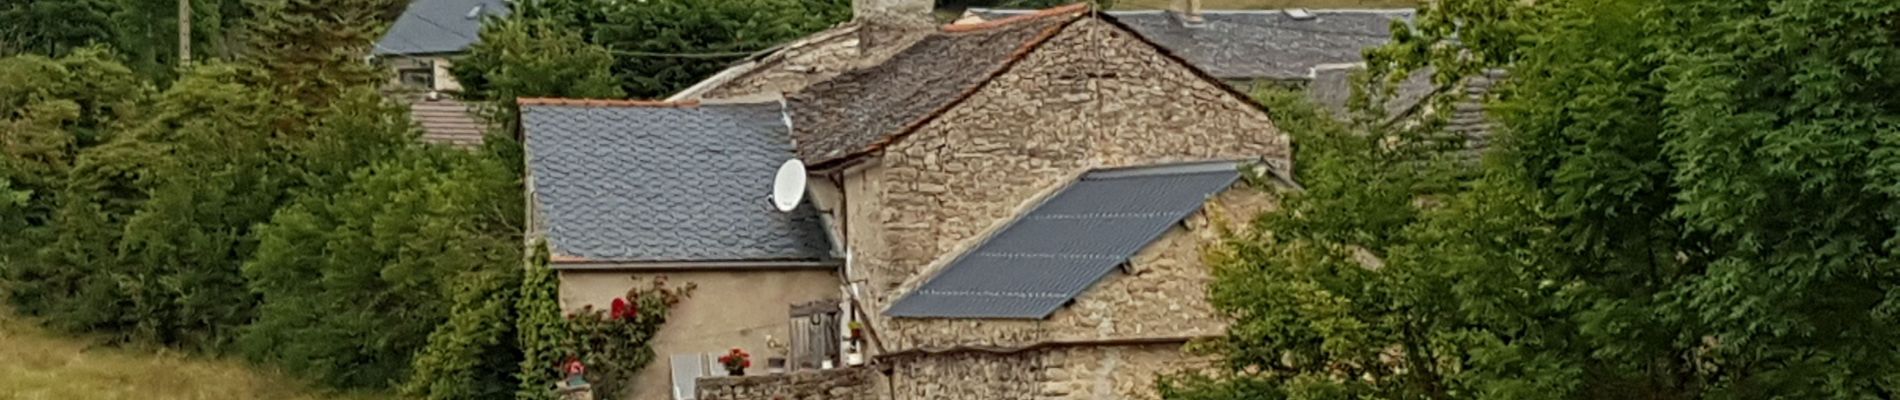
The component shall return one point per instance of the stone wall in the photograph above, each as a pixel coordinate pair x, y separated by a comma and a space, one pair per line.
835, 384
1091, 97
1065, 373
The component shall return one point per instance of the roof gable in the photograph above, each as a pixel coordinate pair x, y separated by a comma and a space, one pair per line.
438, 26
628, 181
1047, 256
1257, 44
865, 110
841, 117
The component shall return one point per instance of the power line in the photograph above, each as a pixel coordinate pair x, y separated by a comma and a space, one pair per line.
726, 54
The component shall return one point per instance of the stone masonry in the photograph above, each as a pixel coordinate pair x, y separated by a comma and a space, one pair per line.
833, 384
1093, 96
1073, 372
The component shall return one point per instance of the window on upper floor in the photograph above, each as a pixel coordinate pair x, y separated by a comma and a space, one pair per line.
422, 77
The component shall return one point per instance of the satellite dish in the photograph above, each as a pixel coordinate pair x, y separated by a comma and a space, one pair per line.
789, 188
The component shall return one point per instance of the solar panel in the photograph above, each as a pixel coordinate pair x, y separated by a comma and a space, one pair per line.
1046, 257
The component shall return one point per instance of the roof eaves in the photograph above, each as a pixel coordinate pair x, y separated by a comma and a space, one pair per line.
558, 263
1048, 12
550, 101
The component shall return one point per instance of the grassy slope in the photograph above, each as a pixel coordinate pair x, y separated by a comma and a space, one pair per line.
36, 364
1271, 4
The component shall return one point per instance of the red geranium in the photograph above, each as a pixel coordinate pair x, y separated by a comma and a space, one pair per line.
736, 360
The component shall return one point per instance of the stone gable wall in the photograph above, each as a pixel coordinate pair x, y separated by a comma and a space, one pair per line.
1091, 97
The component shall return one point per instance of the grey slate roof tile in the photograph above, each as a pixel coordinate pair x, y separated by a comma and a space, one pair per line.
1258, 44
438, 26
666, 184
1052, 253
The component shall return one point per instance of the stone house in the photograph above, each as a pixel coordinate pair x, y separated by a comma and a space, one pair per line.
419, 49
626, 191
968, 169
423, 43
1010, 209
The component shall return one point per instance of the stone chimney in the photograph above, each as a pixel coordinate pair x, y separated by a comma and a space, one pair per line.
905, 12
1188, 10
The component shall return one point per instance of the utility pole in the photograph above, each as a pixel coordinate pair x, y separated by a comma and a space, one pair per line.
184, 33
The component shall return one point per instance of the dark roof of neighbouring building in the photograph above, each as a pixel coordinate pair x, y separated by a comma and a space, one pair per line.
1257, 44
625, 181
1047, 256
448, 122
438, 26
856, 110
1409, 99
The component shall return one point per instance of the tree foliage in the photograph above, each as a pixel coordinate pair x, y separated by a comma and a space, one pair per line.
53, 28
315, 49
415, 238
1691, 199
535, 57
658, 46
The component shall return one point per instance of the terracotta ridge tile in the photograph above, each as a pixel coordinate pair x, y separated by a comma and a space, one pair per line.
563, 258
1044, 13
552, 101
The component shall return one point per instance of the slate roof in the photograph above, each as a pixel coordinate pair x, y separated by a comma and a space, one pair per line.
1257, 44
438, 26
1049, 255
1467, 120
856, 110
448, 122
621, 181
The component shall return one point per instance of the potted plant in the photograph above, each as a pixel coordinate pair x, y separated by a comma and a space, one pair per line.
857, 329
736, 362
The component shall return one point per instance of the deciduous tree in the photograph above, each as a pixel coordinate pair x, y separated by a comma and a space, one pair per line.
1690, 199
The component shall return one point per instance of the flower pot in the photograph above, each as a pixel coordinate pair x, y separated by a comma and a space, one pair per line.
735, 371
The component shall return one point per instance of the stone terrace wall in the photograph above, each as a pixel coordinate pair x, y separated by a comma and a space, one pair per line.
1072, 373
834, 384
1091, 97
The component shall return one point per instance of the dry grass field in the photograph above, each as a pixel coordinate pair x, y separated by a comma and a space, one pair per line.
37, 364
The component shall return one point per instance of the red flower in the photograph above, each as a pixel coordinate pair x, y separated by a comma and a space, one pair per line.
574, 366
621, 310
737, 359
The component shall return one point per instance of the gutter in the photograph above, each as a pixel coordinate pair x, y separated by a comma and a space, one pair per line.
691, 265
1049, 345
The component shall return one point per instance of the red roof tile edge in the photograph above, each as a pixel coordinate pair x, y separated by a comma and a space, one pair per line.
1047, 12
550, 101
